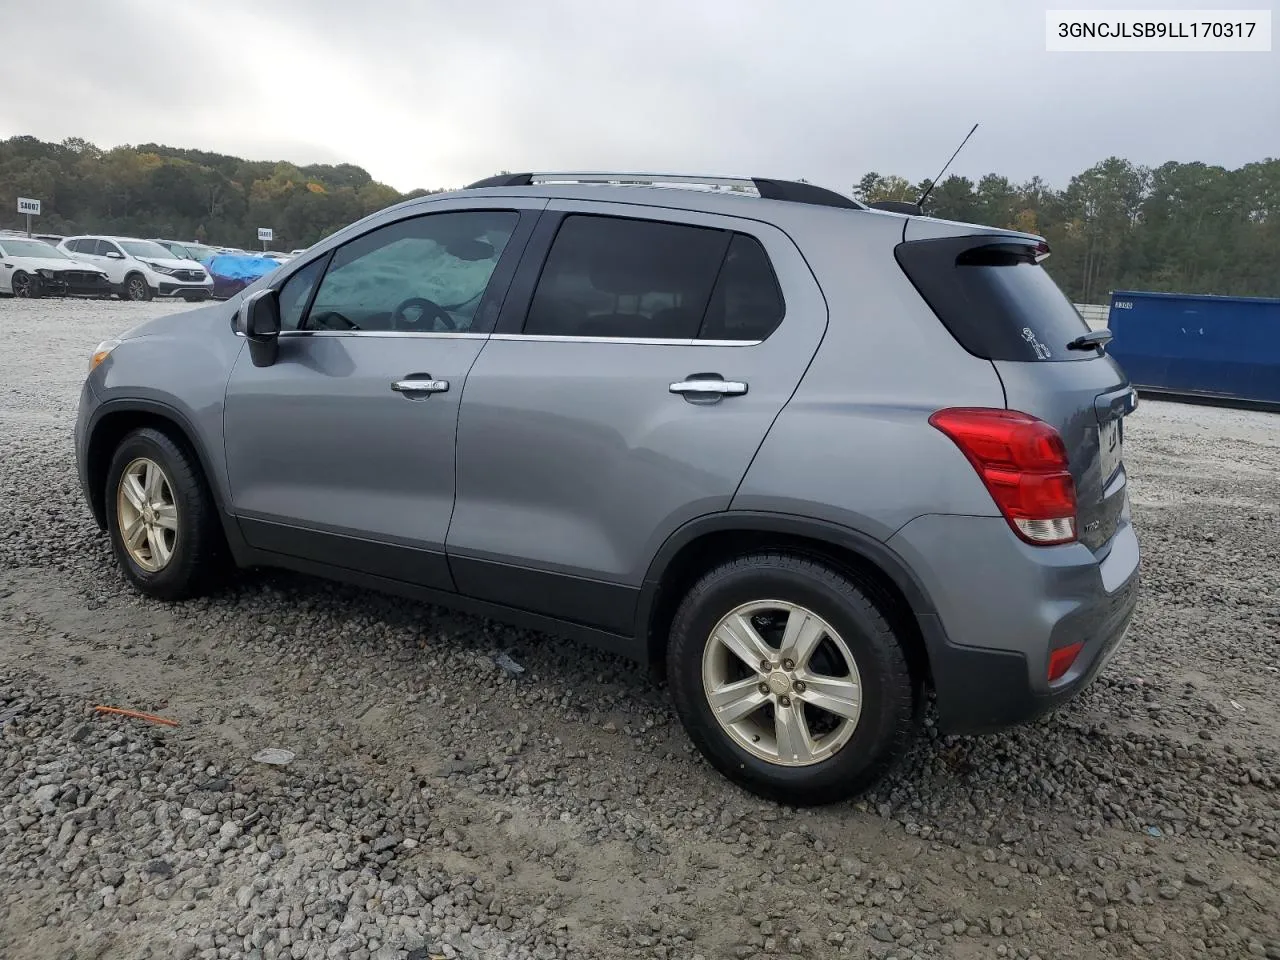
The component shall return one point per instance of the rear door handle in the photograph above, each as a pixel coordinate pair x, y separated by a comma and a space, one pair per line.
726, 388
419, 386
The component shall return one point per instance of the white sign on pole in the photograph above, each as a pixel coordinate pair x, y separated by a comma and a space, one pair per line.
27, 205
264, 233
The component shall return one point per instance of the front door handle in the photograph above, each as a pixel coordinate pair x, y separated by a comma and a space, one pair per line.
411, 387
725, 388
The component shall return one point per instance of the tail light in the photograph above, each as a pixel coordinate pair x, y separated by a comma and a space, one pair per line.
1023, 462
1060, 660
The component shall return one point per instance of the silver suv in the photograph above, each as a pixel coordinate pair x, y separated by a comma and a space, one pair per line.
808, 459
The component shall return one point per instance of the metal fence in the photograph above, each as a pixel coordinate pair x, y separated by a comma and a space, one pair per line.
1095, 314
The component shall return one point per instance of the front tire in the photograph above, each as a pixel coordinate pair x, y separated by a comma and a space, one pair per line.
136, 288
813, 697
25, 285
161, 517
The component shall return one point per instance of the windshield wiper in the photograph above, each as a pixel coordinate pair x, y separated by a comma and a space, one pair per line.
1093, 340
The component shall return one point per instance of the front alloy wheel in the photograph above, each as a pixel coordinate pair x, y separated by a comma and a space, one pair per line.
148, 514
25, 285
136, 288
161, 516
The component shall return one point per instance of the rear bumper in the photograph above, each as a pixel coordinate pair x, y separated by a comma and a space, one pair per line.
1002, 606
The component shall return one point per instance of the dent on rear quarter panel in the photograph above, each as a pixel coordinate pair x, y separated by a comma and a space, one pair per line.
182, 361
854, 445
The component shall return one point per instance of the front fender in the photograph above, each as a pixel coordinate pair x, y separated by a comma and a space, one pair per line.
178, 368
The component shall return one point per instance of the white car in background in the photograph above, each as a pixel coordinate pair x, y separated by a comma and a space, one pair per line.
33, 268
141, 269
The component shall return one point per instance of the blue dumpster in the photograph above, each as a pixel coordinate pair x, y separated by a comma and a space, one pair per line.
1198, 347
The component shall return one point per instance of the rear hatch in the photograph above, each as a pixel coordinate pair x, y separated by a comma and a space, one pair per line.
990, 291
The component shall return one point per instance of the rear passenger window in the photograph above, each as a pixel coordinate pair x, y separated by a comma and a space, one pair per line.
747, 303
613, 277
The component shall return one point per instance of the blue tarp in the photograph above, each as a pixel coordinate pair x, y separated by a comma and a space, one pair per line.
1193, 345
232, 266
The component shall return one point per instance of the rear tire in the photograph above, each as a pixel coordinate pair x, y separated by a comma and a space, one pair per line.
161, 517
136, 288
836, 706
25, 285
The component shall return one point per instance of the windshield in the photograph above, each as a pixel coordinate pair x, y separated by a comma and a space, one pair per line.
147, 250
31, 248
177, 249
201, 252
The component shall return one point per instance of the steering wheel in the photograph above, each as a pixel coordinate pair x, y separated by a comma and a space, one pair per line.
431, 311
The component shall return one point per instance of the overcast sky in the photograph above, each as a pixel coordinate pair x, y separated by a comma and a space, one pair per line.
440, 92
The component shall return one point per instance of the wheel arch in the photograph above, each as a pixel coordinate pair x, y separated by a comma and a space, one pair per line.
707, 541
113, 421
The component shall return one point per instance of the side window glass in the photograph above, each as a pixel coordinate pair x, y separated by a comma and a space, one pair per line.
747, 303
613, 277
81, 246
106, 247
423, 275
296, 292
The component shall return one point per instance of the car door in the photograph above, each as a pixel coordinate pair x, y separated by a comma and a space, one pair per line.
7, 270
630, 383
342, 450
108, 256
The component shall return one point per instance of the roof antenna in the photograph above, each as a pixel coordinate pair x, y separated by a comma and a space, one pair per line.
934, 182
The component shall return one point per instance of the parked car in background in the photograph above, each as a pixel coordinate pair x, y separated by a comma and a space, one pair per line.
189, 250
141, 269
34, 268
807, 457
232, 272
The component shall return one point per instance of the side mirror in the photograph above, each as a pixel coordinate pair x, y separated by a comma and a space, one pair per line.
258, 321
114, 255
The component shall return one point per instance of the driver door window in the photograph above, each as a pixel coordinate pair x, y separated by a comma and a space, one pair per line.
427, 274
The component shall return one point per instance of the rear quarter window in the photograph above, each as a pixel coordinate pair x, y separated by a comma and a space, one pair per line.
996, 301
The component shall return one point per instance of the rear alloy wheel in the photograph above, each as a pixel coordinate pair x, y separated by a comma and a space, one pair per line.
136, 288
161, 517
25, 285
793, 704
790, 680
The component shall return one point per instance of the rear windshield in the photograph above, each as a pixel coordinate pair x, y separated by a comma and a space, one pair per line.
994, 298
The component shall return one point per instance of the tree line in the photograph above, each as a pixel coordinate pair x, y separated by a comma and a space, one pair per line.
1177, 228
152, 190
1181, 227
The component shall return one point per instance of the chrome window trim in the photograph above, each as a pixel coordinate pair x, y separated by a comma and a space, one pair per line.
541, 338
647, 341
427, 334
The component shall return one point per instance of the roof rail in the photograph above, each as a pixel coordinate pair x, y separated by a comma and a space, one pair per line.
790, 190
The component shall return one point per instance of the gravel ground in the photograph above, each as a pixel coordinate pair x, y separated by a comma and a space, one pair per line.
440, 805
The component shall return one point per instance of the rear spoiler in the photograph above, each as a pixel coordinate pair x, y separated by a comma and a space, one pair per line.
898, 206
